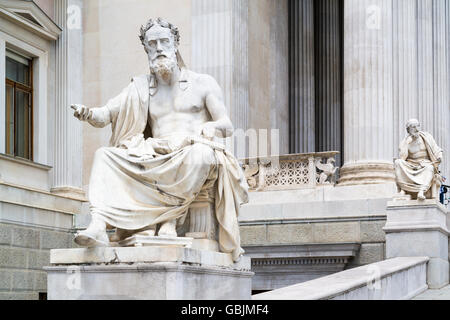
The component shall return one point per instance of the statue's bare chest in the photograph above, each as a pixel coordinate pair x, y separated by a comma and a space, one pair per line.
175, 101
417, 146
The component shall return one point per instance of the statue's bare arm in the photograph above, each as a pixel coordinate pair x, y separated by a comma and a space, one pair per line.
98, 117
221, 124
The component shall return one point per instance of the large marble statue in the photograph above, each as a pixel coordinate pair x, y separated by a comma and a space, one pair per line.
417, 169
162, 155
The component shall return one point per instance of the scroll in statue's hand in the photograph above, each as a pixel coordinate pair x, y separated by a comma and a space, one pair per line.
82, 113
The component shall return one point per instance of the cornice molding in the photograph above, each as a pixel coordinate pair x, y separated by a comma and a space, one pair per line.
45, 26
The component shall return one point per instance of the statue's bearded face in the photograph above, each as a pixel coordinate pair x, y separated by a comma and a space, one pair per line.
161, 50
413, 130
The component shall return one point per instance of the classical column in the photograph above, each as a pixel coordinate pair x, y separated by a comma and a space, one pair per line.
2, 96
446, 164
67, 163
421, 69
441, 79
328, 76
220, 49
301, 77
425, 63
279, 73
405, 55
368, 94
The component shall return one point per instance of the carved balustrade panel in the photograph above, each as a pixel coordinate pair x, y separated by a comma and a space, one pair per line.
290, 172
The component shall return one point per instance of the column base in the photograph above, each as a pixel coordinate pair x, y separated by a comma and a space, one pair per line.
367, 173
150, 273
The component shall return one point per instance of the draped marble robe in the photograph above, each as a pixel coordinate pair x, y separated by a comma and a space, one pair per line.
411, 176
138, 182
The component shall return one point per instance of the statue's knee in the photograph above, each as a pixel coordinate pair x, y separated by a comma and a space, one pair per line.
202, 154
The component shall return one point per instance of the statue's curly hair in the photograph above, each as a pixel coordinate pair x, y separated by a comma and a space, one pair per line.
163, 23
412, 122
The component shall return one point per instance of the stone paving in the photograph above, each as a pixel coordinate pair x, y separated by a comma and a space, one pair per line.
441, 294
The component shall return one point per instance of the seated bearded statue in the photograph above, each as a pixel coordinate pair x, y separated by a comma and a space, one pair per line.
162, 156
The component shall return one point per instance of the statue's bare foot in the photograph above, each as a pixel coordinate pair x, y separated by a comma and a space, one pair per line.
168, 229
421, 196
94, 235
92, 238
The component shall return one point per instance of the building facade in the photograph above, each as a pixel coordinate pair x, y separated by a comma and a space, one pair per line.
299, 77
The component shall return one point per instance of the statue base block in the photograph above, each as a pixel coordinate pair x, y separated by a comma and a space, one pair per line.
151, 273
139, 241
419, 229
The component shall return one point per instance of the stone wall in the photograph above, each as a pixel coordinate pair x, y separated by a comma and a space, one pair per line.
24, 251
32, 221
366, 232
324, 221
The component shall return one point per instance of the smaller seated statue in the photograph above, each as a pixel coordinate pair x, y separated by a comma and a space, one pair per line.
417, 169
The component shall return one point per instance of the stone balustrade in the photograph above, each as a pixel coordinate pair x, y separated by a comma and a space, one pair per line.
290, 172
400, 278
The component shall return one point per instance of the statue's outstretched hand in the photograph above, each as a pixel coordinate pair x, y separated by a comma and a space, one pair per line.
82, 113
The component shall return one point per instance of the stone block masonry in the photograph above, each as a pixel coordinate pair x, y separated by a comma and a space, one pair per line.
24, 251
368, 233
277, 249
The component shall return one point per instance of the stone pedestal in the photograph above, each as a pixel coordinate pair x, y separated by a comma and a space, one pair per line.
419, 228
151, 273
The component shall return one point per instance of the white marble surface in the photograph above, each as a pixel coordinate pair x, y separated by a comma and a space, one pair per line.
39, 199
358, 284
435, 294
405, 58
441, 79
220, 48
150, 273
100, 255
319, 203
144, 241
148, 281
416, 215
68, 143
368, 103
419, 228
